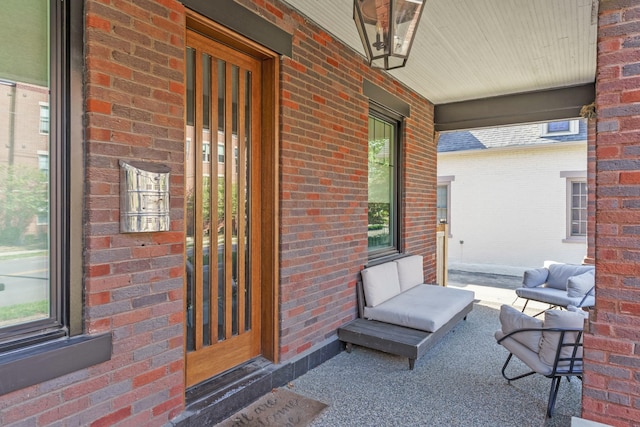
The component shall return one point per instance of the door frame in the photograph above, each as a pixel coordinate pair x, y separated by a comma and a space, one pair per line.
268, 238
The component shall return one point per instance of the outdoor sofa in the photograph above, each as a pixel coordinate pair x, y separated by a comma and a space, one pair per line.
399, 313
559, 285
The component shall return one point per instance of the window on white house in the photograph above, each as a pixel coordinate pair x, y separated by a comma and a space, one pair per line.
578, 208
559, 128
442, 204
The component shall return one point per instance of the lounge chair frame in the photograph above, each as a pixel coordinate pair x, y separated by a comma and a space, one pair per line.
560, 368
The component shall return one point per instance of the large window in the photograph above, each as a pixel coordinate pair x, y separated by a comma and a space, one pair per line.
32, 168
383, 204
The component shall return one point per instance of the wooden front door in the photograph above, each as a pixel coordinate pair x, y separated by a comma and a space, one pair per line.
222, 208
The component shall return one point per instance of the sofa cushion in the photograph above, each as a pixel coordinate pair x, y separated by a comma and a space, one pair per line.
578, 286
424, 307
535, 277
512, 319
410, 272
380, 283
560, 273
548, 295
550, 339
524, 353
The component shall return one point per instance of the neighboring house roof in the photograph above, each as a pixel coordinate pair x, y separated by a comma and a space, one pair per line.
508, 136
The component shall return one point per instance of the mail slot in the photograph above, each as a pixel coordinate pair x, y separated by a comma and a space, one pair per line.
144, 197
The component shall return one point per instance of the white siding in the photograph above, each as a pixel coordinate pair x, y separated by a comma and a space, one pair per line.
509, 206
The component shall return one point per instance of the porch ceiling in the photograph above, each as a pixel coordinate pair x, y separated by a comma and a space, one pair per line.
475, 49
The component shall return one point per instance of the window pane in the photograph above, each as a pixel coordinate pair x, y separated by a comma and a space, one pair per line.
563, 126
381, 196
578, 208
441, 203
24, 163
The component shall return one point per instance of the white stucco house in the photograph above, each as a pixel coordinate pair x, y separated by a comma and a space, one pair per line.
514, 196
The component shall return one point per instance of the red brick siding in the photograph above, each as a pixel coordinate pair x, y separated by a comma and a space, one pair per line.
133, 282
610, 393
323, 182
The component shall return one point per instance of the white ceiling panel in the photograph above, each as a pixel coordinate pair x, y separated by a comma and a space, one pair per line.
472, 49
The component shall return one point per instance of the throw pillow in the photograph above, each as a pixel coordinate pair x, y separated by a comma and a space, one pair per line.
512, 319
535, 277
560, 273
550, 339
578, 286
380, 283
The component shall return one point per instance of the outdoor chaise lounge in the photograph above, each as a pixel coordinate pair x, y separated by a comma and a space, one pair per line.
559, 285
551, 347
399, 313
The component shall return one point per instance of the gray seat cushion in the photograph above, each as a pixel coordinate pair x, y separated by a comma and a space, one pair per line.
424, 307
553, 296
522, 352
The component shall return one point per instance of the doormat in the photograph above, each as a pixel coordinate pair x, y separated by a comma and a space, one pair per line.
280, 408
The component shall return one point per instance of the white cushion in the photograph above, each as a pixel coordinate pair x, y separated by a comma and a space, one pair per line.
550, 339
424, 307
512, 319
380, 283
578, 286
410, 272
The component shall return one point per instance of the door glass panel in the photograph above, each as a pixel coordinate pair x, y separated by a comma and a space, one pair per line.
245, 166
234, 201
221, 196
190, 194
206, 202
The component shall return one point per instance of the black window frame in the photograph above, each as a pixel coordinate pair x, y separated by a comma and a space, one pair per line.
379, 112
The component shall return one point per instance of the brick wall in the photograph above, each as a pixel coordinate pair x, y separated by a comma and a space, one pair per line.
323, 155
611, 393
133, 282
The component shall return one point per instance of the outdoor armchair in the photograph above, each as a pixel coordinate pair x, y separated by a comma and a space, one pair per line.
551, 347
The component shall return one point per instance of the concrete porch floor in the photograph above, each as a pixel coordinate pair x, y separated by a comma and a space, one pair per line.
457, 383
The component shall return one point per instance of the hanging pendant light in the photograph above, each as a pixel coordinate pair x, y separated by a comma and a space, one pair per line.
387, 29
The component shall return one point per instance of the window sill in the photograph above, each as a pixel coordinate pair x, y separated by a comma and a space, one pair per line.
575, 240
33, 365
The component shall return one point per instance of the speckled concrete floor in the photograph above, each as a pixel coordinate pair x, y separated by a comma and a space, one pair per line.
457, 383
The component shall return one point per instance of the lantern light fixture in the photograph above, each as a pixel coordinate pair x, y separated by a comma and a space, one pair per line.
387, 29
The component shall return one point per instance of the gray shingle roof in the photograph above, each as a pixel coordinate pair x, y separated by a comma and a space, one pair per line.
508, 136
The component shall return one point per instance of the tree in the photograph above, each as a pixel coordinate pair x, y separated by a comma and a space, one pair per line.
23, 195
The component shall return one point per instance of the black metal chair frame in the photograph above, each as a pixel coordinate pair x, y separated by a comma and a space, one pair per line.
574, 368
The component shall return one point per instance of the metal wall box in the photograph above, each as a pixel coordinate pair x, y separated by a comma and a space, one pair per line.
144, 197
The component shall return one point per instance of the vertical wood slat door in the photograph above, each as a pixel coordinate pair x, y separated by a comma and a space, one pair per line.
222, 208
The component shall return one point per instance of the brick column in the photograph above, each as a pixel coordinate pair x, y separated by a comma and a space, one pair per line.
612, 347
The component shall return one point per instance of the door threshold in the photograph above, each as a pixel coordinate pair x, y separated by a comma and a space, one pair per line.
216, 399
